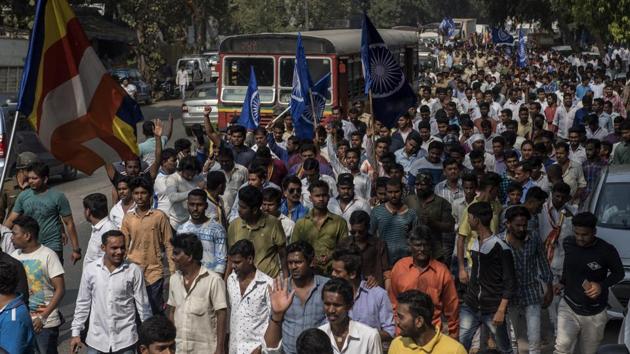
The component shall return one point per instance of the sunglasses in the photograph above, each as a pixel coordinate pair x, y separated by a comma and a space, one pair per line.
294, 190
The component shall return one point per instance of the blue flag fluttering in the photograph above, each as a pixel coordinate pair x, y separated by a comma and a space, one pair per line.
522, 50
250, 114
384, 79
300, 95
447, 27
319, 93
501, 36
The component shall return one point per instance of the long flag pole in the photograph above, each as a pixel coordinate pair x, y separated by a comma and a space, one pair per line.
310, 94
7, 158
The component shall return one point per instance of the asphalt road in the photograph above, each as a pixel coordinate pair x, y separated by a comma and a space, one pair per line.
98, 182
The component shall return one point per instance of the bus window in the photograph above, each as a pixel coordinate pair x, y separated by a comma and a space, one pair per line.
236, 78
317, 67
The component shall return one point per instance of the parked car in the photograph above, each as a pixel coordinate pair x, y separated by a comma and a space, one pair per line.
196, 61
610, 203
26, 140
194, 106
144, 88
213, 60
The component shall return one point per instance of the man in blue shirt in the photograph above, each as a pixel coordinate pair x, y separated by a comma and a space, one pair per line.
582, 113
583, 88
16, 328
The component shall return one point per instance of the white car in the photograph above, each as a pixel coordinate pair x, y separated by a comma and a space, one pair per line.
195, 104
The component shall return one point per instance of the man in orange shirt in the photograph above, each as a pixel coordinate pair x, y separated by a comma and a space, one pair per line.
421, 272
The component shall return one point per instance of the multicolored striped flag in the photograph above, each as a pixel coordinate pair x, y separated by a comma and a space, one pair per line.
80, 113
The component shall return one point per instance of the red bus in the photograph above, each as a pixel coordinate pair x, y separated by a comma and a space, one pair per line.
273, 55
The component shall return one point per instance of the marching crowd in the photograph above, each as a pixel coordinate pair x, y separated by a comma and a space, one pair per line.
458, 231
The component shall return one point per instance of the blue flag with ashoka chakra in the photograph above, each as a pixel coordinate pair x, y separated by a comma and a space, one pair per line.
250, 114
522, 50
391, 93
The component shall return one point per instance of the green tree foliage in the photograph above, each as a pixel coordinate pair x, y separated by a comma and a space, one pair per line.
606, 20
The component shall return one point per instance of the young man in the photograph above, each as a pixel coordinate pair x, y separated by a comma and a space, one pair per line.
157, 336
621, 154
371, 305
469, 185
45, 281
16, 327
417, 333
95, 212
50, 209
168, 167
593, 165
347, 202
148, 234
422, 272
591, 267
149, 146
263, 230
235, 176
297, 302
248, 294
436, 213
111, 292
124, 204
351, 159
312, 174
197, 299
321, 228
531, 267
577, 152
572, 173
410, 152
271, 205
392, 222
211, 234
373, 251
215, 187
451, 187
492, 282
179, 184
292, 203
432, 163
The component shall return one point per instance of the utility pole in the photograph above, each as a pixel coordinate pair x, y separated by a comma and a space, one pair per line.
306, 19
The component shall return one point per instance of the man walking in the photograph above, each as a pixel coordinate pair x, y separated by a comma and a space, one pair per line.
96, 213
16, 327
591, 267
112, 291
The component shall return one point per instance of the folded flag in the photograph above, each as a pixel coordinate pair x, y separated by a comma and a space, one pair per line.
250, 114
80, 113
384, 79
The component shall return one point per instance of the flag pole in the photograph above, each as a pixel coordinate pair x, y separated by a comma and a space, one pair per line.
372, 126
310, 94
273, 121
7, 158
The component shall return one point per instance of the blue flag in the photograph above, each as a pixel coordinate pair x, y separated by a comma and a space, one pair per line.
320, 94
522, 50
384, 79
501, 36
300, 94
250, 114
447, 26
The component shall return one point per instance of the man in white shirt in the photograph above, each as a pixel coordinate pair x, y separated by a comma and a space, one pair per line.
593, 130
182, 80
44, 273
272, 198
514, 103
112, 291
347, 202
311, 174
250, 305
125, 202
577, 152
95, 211
178, 185
129, 88
168, 166
563, 119
235, 176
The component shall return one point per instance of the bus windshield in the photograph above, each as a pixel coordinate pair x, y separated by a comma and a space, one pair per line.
317, 67
236, 78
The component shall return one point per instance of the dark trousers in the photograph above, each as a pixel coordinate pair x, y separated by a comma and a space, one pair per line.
155, 292
46, 341
612, 349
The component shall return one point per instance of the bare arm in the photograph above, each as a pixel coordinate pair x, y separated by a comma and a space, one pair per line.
221, 329
10, 219
111, 171
71, 230
157, 131
170, 127
210, 132
59, 291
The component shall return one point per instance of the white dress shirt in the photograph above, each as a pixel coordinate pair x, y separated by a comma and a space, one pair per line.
111, 300
306, 195
94, 252
287, 226
249, 312
357, 203
117, 213
361, 339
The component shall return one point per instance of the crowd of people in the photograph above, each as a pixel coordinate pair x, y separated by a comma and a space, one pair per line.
461, 230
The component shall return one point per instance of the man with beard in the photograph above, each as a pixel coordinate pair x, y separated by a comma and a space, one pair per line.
392, 221
321, 228
531, 267
436, 213
352, 159
347, 202
112, 289
417, 334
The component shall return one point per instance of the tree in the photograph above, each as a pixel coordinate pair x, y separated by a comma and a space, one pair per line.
606, 20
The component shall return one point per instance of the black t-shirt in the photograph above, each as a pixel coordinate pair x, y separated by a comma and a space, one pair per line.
22, 285
593, 263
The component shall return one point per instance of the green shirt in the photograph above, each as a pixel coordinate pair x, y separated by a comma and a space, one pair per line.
437, 209
47, 209
622, 154
268, 238
324, 239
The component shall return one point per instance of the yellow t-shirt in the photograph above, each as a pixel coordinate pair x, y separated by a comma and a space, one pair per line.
465, 230
439, 344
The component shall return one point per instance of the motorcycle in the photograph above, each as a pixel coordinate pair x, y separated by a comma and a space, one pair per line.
165, 89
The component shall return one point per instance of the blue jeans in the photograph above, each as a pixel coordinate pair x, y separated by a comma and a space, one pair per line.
129, 350
155, 292
470, 321
47, 340
532, 314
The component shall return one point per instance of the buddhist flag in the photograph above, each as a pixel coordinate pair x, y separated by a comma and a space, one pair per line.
80, 113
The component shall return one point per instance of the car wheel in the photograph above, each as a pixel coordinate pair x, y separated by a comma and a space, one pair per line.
188, 131
69, 173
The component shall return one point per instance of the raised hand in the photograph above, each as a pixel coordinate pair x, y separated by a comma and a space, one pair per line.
280, 297
157, 129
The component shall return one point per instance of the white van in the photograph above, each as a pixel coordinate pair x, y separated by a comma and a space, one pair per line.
198, 68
